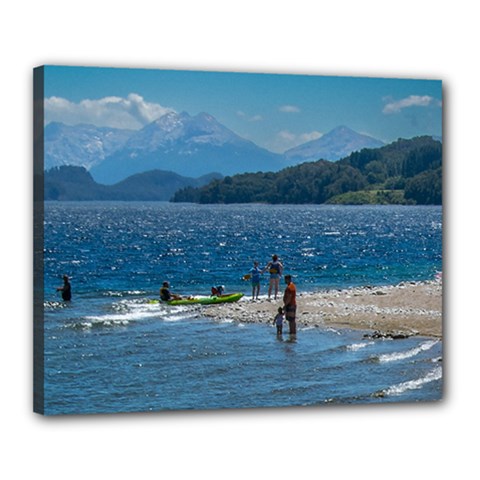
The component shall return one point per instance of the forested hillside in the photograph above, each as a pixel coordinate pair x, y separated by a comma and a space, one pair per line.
404, 172
75, 183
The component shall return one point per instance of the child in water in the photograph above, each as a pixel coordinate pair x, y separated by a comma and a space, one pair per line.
278, 320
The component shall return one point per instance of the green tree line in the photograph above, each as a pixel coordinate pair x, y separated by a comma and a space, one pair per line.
406, 171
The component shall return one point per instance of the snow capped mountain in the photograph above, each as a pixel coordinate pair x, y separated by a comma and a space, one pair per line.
336, 144
80, 145
186, 145
174, 128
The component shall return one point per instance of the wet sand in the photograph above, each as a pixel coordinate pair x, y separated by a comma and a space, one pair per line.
409, 308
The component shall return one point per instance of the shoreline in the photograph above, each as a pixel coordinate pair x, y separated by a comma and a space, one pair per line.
399, 311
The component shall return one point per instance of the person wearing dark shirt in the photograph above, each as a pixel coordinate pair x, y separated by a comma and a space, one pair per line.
66, 289
166, 295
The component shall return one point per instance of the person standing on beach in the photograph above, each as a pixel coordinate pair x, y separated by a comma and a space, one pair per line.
255, 273
66, 289
275, 268
290, 304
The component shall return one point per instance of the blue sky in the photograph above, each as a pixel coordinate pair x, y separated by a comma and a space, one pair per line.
276, 111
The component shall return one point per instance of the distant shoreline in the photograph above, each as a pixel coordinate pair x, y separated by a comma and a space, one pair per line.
406, 309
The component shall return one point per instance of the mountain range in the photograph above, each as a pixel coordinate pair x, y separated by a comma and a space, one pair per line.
403, 172
183, 144
76, 183
81, 145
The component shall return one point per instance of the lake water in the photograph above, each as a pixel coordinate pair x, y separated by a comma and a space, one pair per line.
110, 350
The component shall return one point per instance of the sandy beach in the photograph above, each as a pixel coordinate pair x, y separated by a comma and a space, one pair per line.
406, 309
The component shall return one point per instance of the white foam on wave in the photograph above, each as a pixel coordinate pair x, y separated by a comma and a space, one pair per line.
332, 330
54, 305
358, 346
114, 293
132, 312
121, 317
226, 320
305, 329
433, 375
173, 318
395, 356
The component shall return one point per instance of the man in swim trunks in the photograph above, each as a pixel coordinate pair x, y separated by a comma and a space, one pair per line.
290, 304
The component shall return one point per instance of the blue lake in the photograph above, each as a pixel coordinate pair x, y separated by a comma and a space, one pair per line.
109, 350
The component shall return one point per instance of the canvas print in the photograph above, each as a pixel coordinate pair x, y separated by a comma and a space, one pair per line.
225, 240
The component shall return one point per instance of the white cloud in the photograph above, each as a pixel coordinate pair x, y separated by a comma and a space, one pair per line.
131, 112
284, 140
286, 136
289, 109
411, 101
254, 118
308, 137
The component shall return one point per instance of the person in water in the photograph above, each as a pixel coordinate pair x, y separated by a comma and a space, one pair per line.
278, 320
166, 295
66, 289
275, 268
255, 273
290, 304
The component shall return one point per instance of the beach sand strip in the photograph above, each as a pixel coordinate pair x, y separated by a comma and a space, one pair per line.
409, 308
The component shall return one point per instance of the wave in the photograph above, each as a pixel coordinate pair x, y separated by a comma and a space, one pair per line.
396, 356
51, 305
125, 293
127, 311
120, 317
358, 346
433, 375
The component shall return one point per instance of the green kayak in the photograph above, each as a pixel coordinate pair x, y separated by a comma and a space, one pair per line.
203, 300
